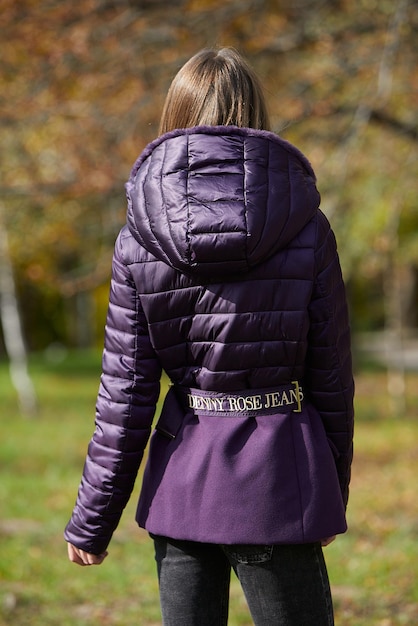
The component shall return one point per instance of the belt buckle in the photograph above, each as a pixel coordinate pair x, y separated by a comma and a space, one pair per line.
298, 395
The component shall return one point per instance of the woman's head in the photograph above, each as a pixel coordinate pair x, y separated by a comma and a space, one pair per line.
215, 87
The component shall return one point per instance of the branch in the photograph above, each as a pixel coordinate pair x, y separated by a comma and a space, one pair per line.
399, 126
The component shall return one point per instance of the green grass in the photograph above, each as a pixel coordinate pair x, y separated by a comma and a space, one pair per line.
372, 568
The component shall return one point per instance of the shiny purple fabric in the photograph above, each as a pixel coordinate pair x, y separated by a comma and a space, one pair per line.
226, 277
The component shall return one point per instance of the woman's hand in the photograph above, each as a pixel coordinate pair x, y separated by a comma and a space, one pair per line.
84, 558
328, 540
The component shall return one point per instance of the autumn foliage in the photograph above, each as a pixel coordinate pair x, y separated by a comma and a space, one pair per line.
82, 85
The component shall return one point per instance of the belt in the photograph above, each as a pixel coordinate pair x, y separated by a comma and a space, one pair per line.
246, 403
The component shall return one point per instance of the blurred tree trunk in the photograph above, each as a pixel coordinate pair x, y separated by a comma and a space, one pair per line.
12, 329
80, 311
394, 319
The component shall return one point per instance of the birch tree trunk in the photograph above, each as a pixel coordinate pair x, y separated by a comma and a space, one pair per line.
12, 329
394, 333
392, 284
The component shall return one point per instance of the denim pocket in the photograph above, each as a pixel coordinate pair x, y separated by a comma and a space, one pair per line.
248, 554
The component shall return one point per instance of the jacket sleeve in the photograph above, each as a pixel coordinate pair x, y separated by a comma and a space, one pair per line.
128, 392
329, 376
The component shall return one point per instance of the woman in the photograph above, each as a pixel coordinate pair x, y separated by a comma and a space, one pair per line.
226, 277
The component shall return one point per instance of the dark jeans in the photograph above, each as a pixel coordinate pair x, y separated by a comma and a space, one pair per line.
284, 585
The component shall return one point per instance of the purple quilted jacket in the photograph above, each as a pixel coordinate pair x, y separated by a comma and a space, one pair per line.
226, 277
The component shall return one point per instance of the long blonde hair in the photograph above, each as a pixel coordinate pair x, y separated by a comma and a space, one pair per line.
215, 87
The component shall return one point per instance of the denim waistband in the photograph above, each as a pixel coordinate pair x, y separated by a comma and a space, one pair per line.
245, 403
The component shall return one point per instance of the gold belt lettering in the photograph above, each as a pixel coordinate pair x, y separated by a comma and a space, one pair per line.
245, 403
206, 403
241, 404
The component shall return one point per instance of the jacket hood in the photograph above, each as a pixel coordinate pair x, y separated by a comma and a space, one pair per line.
219, 200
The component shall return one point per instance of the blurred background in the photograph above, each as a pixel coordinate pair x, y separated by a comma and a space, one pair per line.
82, 88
